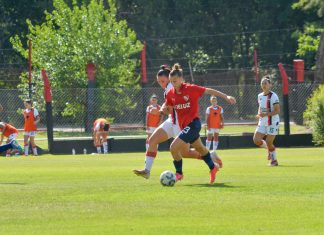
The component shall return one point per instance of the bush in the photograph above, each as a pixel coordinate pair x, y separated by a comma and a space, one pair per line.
314, 115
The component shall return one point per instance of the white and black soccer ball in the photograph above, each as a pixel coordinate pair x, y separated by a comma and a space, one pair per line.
167, 178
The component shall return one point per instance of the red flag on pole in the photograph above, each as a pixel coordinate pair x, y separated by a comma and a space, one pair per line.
256, 68
284, 77
47, 87
143, 64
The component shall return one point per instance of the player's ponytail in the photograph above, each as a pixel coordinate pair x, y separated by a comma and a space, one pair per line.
164, 71
176, 71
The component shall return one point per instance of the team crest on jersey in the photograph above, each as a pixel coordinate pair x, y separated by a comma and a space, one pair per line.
186, 97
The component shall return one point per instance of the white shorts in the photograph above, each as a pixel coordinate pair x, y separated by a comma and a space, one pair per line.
150, 130
268, 130
12, 137
212, 131
171, 129
30, 133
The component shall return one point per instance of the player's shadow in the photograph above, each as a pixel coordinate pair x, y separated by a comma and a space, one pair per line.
295, 166
215, 185
12, 183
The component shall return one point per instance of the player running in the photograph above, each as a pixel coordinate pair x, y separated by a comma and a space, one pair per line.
268, 115
153, 117
100, 134
168, 129
214, 121
184, 98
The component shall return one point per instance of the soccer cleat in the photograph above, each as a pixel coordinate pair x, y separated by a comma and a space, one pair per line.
274, 163
216, 159
144, 173
179, 177
213, 174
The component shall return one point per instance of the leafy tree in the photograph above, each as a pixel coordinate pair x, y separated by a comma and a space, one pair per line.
72, 37
314, 115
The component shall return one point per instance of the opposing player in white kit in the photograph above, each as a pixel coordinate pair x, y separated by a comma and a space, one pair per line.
268, 114
165, 131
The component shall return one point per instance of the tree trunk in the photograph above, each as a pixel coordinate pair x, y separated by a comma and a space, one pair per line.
319, 74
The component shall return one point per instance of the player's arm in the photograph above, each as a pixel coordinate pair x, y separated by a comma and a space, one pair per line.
229, 99
221, 120
165, 109
207, 120
146, 120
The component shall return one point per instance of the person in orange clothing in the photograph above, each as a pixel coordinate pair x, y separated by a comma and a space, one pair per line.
31, 118
10, 132
100, 134
153, 117
214, 121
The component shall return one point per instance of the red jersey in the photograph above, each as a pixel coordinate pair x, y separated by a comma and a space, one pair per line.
185, 103
8, 130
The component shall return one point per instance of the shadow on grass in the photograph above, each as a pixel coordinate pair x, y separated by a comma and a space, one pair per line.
12, 183
294, 166
215, 185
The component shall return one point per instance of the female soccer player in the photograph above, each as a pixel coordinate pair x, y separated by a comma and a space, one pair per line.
214, 121
168, 129
268, 115
184, 97
153, 117
10, 132
100, 134
31, 118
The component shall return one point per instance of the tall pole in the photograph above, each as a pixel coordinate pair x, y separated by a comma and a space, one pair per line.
285, 91
29, 68
49, 110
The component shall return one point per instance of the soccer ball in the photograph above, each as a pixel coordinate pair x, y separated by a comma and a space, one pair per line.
167, 178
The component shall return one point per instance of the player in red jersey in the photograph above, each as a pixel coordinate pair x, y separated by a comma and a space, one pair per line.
31, 118
100, 134
168, 129
215, 122
183, 98
153, 117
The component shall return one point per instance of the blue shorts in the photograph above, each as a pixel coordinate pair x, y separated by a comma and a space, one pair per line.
190, 133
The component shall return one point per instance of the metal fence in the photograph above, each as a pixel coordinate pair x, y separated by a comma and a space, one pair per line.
74, 110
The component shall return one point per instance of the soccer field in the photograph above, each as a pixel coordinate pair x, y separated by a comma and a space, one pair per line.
88, 194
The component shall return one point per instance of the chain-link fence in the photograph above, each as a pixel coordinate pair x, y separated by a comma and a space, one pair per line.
74, 110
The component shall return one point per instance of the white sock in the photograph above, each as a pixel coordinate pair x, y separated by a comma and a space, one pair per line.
208, 144
35, 151
273, 155
215, 145
99, 149
149, 163
263, 145
26, 148
146, 146
105, 147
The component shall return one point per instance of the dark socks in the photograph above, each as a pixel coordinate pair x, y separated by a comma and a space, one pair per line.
208, 161
178, 166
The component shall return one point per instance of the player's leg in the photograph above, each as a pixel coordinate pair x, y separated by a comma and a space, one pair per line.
26, 143
176, 147
32, 142
160, 135
258, 136
105, 146
209, 138
272, 150
216, 139
5, 147
97, 142
198, 145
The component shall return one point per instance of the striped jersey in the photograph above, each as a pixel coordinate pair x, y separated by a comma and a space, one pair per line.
266, 103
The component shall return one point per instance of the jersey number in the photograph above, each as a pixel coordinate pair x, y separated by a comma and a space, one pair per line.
186, 130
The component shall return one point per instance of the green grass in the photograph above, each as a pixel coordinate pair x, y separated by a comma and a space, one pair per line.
100, 195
